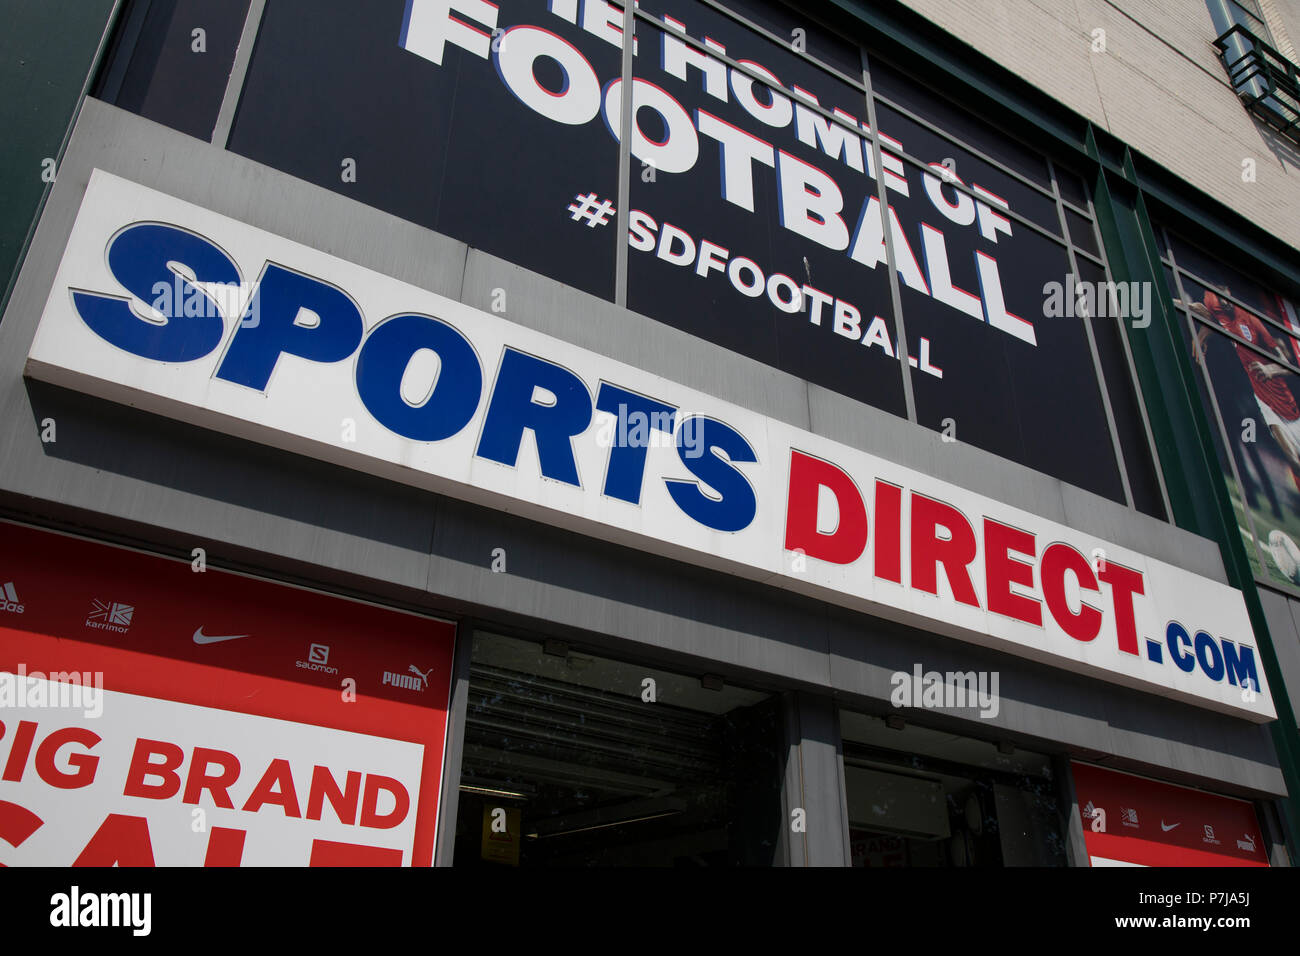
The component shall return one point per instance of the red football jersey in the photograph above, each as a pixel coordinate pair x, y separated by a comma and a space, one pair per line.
1273, 392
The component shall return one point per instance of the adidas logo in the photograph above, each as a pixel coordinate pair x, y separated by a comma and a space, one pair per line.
9, 599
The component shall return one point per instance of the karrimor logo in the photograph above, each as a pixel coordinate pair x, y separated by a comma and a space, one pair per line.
318, 659
418, 682
110, 616
9, 599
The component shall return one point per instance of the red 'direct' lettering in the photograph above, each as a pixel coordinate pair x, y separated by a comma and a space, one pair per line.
889, 532
929, 550
1058, 559
846, 543
1001, 571
1124, 584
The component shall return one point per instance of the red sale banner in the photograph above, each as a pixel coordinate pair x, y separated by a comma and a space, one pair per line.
156, 713
1134, 821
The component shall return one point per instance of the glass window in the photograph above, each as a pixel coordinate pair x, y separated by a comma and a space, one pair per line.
1162, 243
575, 759
453, 130
794, 27
997, 366
1251, 492
1245, 13
1082, 232
969, 166
920, 797
171, 61
909, 93
716, 250
1109, 330
1245, 339
1071, 186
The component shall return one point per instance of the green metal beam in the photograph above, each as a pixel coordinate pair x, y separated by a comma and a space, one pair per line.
48, 50
1185, 439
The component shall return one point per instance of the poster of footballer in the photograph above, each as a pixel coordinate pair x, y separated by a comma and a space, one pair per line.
1245, 348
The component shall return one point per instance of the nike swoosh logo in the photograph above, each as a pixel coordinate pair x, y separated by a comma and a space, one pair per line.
201, 638
1170, 827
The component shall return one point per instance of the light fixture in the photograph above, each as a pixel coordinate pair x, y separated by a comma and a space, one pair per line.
895, 722
603, 826
491, 792
711, 682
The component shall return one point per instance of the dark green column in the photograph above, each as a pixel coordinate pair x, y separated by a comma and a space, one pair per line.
1180, 425
47, 52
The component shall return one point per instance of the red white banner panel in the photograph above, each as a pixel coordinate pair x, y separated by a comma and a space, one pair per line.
152, 714
1134, 821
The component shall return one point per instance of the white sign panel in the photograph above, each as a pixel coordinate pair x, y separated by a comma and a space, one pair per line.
169, 307
135, 781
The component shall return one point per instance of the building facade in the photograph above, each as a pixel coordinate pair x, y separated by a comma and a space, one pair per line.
440, 432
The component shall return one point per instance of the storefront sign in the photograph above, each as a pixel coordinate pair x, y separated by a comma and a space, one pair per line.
219, 721
1134, 821
169, 307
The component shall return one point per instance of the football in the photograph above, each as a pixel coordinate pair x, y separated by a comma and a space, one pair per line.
1285, 555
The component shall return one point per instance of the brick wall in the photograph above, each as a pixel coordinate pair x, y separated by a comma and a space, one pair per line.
1158, 85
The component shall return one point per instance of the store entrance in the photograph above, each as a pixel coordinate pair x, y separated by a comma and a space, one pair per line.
921, 797
572, 759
